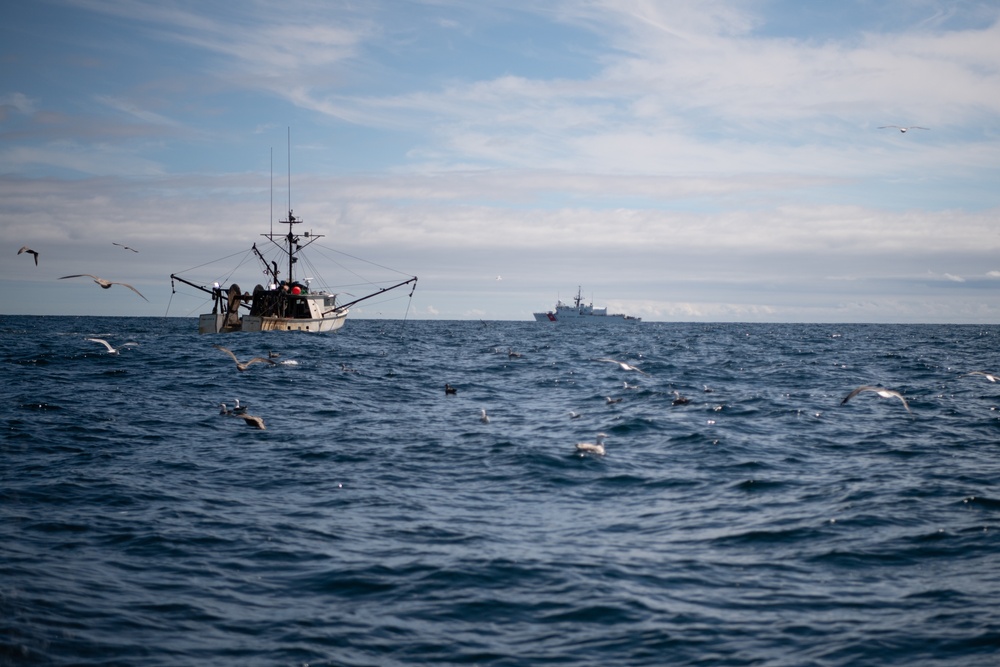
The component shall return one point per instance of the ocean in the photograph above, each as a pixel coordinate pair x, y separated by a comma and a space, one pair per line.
378, 521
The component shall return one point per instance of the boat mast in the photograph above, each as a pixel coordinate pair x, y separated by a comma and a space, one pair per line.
291, 219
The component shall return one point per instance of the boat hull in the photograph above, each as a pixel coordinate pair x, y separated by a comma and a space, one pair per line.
209, 323
575, 318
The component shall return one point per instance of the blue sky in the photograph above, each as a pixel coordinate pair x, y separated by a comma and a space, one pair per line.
710, 161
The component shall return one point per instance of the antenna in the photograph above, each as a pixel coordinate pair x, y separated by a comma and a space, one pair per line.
272, 191
289, 141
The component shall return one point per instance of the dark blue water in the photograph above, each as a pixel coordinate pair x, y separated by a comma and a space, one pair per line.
377, 521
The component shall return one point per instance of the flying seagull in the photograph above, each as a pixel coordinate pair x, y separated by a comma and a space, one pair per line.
903, 129
124, 247
624, 366
29, 250
243, 365
881, 391
106, 284
111, 350
592, 447
992, 377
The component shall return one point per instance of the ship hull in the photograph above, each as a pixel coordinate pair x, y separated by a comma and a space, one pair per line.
574, 318
209, 323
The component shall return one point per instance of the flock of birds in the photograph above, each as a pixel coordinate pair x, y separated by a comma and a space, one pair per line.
106, 284
239, 409
597, 448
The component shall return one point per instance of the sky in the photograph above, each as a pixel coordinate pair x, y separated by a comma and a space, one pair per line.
718, 161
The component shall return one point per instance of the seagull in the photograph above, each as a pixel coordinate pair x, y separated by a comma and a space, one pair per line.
512, 354
609, 400
680, 400
123, 246
992, 377
111, 350
243, 365
574, 415
106, 284
624, 366
448, 389
224, 410
881, 391
903, 129
239, 409
29, 250
592, 447
483, 417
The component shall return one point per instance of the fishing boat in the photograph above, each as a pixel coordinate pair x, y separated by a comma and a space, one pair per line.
581, 313
285, 303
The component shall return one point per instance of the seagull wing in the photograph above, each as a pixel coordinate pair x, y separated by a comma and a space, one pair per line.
261, 360
131, 288
80, 275
227, 351
254, 421
900, 397
29, 250
864, 387
102, 342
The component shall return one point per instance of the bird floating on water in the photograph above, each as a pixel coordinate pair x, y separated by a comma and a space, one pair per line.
106, 284
624, 366
29, 250
124, 247
449, 390
111, 350
243, 365
881, 391
483, 417
903, 129
610, 401
592, 447
679, 400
